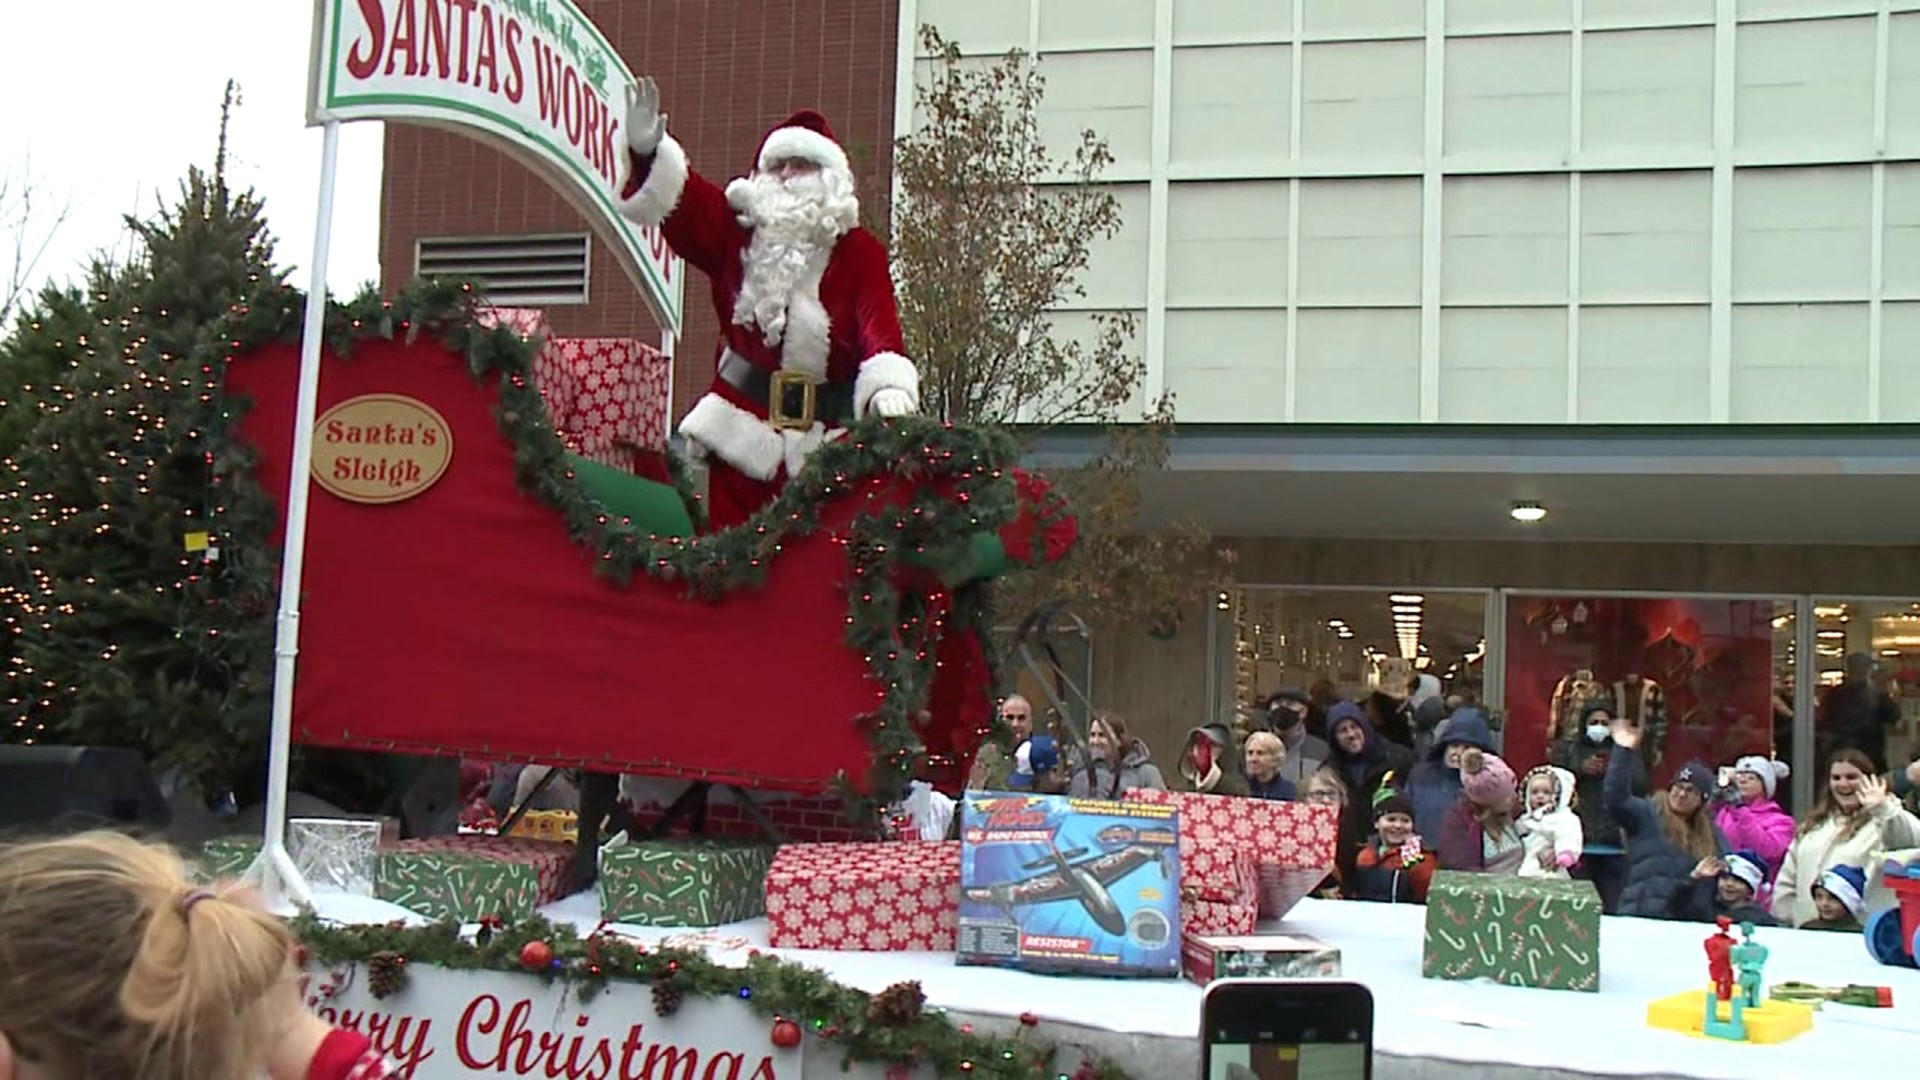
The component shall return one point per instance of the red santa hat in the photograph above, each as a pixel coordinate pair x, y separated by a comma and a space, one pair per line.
806, 136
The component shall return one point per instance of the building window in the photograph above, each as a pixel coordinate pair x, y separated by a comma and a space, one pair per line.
515, 271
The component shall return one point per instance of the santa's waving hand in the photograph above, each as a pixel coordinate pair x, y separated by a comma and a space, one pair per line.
810, 334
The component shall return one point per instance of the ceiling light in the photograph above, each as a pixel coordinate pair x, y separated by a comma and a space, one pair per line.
1407, 609
1528, 512
1416, 598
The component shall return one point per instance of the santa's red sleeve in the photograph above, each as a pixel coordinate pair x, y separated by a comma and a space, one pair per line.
883, 360
663, 189
348, 1055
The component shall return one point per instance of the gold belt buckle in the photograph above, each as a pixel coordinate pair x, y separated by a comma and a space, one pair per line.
777, 414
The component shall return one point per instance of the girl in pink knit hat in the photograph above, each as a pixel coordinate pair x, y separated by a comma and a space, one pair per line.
1478, 833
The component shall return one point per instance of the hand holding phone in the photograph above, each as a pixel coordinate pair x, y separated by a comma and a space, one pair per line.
1308, 1029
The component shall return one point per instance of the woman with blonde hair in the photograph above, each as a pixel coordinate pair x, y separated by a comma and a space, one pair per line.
1855, 818
1672, 841
114, 967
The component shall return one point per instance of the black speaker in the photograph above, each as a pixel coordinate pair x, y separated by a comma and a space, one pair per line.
71, 788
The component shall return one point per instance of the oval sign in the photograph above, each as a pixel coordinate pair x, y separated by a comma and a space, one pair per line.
380, 448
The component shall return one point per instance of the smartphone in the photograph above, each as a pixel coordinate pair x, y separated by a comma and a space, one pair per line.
1291, 1029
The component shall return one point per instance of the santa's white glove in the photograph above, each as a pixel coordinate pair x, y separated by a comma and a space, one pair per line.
891, 401
646, 124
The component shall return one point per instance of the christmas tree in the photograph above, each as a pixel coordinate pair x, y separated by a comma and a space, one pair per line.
133, 616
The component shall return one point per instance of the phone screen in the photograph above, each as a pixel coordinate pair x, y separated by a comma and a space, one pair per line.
1288, 1031
1287, 1061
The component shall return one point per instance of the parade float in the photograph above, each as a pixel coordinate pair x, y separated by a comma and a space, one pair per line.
482, 558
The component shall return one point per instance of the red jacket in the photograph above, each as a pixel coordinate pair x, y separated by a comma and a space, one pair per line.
348, 1055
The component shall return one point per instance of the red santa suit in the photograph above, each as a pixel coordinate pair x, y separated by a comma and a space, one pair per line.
778, 392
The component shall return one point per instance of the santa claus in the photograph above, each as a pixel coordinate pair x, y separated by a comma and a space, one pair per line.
810, 334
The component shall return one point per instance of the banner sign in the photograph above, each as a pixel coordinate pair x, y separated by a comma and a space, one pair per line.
534, 77
445, 1024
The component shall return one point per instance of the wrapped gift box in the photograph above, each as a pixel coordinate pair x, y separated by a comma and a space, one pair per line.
608, 397
1292, 843
226, 857
684, 882
1226, 903
1538, 932
875, 897
471, 877
1052, 883
1206, 957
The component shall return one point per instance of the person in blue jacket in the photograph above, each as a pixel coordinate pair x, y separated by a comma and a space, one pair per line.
1434, 786
1671, 839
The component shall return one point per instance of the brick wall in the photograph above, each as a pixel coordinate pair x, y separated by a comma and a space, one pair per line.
811, 820
728, 71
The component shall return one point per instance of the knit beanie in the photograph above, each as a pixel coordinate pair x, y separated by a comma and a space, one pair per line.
1748, 867
1847, 884
1770, 772
1487, 780
1696, 775
1389, 800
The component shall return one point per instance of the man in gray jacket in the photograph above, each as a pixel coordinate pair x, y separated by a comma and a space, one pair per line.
1287, 718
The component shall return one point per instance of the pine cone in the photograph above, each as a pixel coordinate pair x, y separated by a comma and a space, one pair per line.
386, 974
666, 997
898, 1005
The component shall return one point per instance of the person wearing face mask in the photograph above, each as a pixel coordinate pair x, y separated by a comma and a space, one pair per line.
1855, 818
1603, 851
1288, 717
1210, 762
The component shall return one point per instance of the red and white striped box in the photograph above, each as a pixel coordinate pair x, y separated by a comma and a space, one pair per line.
901, 896
1292, 843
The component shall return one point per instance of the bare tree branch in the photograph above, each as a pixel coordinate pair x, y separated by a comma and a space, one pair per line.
992, 233
29, 220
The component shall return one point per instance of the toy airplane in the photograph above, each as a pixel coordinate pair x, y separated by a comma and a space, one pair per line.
1085, 881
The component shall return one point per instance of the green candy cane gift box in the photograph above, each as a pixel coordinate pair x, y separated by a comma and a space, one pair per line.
1538, 932
684, 882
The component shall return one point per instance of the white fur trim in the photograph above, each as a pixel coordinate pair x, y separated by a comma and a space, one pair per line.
884, 371
1843, 891
736, 436
809, 329
660, 192
805, 144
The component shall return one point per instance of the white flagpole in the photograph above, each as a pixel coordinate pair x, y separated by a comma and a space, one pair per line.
275, 871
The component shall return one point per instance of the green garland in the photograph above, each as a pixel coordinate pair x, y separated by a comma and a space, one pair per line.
772, 987
962, 485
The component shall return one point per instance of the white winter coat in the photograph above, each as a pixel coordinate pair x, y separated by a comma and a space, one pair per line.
1888, 827
1553, 831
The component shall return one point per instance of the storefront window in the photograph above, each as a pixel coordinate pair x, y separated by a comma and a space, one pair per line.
1349, 643
1708, 678
1867, 691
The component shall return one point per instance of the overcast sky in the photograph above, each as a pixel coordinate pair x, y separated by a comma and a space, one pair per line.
113, 99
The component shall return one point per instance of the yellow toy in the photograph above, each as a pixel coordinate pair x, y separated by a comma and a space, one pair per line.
1735, 1007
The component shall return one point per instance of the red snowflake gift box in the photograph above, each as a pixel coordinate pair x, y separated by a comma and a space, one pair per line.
1222, 903
879, 897
608, 397
1292, 843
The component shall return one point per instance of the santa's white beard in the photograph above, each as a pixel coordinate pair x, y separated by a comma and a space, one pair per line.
795, 224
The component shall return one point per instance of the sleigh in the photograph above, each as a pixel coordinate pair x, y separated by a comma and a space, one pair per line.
524, 604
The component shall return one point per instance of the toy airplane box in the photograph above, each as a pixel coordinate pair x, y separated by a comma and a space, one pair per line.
1082, 886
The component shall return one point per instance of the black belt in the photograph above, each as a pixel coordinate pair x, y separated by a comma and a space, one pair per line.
792, 399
